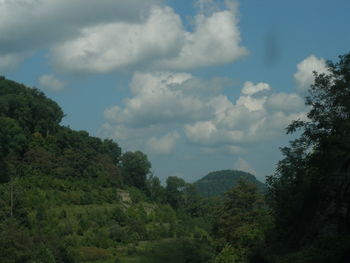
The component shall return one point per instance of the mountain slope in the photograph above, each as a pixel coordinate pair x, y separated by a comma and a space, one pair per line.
68, 197
218, 182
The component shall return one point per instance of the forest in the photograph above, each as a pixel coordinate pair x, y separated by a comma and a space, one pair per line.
69, 197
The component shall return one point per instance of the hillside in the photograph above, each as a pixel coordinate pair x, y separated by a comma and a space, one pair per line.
219, 182
66, 196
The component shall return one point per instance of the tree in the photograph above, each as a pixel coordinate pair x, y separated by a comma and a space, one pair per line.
135, 168
112, 149
310, 183
12, 140
241, 222
193, 201
155, 190
30, 107
174, 191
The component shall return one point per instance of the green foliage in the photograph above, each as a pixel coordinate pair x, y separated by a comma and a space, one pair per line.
29, 107
15, 242
241, 222
155, 189
174, 191
309, 191
219, 182
44, 255
60, 194
309, 181
230, 255
135, 168
91, 254
172, 251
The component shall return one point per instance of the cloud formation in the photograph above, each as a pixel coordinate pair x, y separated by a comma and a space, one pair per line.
30, 25
52, 83
242, 122
10, 61
304, 76
158, 98
243, 165
165, 103
117, 35
163, 145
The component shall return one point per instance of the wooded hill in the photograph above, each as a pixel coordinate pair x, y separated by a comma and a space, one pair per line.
66, 196
218, 182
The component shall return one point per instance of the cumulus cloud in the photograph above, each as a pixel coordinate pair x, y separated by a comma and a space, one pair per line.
163, 145
244, 166
250, 88
158, 98
207, 6
111, 46
33, 23
288, 102
304, 76
10, 61
52, 83
215, 40
257, 114
110, 35
165, 102
160, 41
27, 26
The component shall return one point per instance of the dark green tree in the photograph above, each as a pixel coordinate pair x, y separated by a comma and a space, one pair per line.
135, 167
112, 149
174, 191
241, 222
12, 140
155, 190
309, 192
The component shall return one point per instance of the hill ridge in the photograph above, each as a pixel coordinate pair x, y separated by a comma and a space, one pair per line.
218, 182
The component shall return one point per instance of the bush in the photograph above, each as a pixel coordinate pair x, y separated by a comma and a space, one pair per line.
91, 253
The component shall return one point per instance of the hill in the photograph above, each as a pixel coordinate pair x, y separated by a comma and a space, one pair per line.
219, 182
68, 197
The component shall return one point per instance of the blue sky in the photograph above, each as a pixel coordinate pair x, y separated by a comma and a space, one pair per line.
197, 85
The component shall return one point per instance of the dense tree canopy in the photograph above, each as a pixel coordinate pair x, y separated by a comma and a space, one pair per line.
135, 168
241, 222
309, 192
66, 196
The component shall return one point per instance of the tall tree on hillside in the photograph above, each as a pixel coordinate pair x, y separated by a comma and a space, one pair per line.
135, 168
174, 191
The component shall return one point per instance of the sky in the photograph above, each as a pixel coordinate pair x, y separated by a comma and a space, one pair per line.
198, 86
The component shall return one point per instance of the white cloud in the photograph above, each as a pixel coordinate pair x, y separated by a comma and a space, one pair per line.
160, 42
163, 145
304, 76
285, 102
158, 98
249, 88
163, 102
206, 6
244, 166
10, 61
29, 25
114, 35
215, 40
258, 114
52, 83
107, 47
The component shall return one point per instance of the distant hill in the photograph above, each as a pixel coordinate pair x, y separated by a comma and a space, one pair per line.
219, 182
